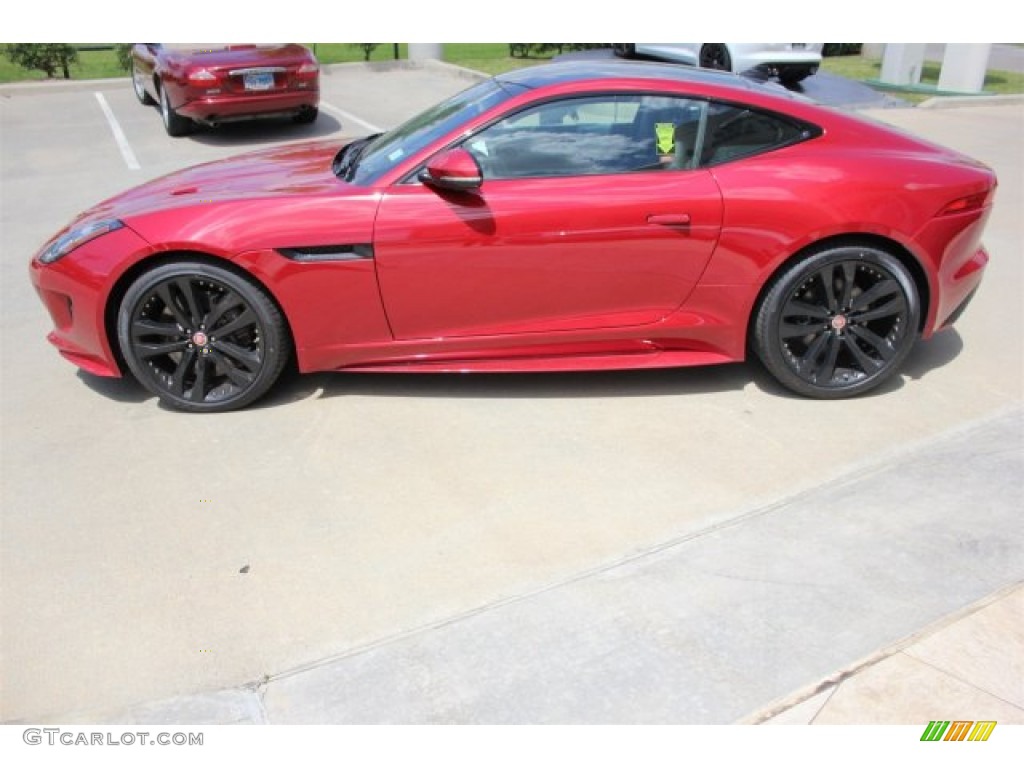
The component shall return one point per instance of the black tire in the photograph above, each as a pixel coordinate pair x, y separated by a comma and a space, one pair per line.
140, 88
715, 56
202, 338
624, 50
838, 322
306, 116
174, 124
793, 77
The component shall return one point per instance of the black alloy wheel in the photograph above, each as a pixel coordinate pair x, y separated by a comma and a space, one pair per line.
715, 56
838, 322
202, 338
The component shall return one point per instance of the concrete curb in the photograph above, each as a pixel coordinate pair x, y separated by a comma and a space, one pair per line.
954, 102
400, 64
829, 683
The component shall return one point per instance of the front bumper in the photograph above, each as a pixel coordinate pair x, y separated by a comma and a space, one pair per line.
75, 290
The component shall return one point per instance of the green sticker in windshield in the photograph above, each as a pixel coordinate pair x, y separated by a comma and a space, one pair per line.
665, 133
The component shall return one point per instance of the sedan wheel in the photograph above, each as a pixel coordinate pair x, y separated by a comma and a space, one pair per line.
174, 124
201, 338
715, 56
140, 87
838, 323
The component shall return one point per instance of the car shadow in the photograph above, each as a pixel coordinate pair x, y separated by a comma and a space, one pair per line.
266, 131
123, 390
294, 387
662, 382
940, 350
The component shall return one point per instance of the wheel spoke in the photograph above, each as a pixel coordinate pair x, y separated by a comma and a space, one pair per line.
891, 308
178, 377
244, 320
198, 392
882, 346
807, 363
867, 363
849, 275
229, 300
187, 287
147, 351
143, 326
827, 370
163, 291
797, 330
802, 309
827, 276
236, 375
248, 358
878, 291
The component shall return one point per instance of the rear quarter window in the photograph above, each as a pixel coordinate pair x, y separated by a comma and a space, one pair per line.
734, 131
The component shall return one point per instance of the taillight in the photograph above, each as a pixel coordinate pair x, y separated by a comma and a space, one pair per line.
309, 69
967, 203
202, 78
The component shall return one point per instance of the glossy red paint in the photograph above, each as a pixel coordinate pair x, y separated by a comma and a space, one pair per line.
219, 82
640, 269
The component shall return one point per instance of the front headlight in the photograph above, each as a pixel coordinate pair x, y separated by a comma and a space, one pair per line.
73, 238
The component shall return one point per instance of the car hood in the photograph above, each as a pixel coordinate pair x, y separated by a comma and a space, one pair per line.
282, 172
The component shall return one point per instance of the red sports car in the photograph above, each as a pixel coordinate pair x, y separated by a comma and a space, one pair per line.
213, 83
588, 215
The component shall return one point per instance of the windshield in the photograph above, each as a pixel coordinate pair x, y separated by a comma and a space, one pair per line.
381, 154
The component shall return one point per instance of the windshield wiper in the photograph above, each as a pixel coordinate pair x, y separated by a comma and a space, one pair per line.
347, 159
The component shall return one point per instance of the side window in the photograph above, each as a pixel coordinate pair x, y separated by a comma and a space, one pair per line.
734, 131
610, 134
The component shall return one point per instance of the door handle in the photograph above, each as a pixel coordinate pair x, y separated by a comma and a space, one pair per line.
669, 219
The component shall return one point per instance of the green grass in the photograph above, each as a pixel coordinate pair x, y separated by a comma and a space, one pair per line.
91, 64
857, 68
103, 63
493, 58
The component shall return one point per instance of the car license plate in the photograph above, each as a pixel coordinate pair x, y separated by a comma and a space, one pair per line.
258, 81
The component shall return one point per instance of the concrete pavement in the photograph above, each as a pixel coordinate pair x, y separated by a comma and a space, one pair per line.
680, 546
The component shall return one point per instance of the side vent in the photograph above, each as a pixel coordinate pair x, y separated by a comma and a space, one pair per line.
350, 252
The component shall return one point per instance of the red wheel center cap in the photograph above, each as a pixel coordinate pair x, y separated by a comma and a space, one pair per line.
199, 338
839, 322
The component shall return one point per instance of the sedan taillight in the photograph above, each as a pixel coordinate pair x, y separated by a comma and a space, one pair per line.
309, 69
202, 78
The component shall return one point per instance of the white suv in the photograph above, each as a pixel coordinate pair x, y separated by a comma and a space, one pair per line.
790, 62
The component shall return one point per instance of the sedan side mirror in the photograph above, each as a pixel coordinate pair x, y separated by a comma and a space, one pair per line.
455, 170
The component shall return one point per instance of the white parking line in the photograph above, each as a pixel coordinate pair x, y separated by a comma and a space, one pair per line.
349, 116
119, 137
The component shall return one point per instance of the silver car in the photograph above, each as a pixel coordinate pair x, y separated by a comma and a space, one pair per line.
790, 62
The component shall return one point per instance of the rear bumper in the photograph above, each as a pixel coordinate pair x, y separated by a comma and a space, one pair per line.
230, 107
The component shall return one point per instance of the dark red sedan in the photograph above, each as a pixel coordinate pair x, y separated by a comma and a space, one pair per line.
588, 215
213, 83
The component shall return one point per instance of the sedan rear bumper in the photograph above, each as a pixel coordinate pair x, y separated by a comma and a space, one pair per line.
230, 107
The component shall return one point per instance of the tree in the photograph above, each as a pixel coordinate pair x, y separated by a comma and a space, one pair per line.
368, 49
47, 57
123, 51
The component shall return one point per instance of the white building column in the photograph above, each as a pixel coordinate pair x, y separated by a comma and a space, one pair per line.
902, 63
964, 67
421, 51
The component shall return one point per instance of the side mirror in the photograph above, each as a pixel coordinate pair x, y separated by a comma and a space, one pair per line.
455, 170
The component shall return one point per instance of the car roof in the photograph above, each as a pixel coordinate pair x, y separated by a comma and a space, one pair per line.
583, 70
600, 69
